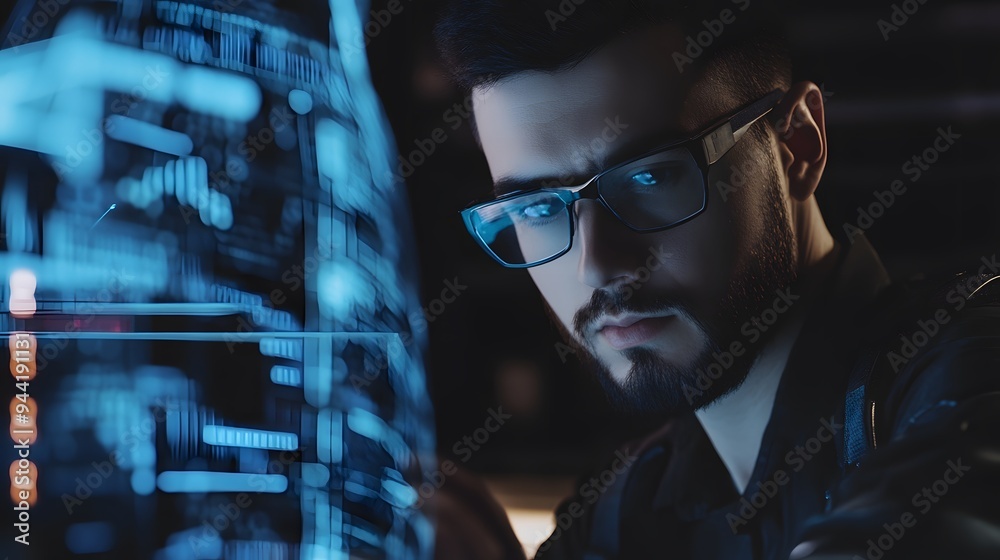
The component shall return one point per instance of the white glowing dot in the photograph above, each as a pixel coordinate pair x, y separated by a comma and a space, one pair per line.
23, 280
300, 101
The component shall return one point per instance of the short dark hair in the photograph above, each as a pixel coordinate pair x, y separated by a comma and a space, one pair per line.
485, 41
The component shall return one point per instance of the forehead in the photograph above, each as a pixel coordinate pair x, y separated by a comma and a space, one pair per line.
572, 122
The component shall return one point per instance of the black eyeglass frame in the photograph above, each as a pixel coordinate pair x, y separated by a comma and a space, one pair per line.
715, 141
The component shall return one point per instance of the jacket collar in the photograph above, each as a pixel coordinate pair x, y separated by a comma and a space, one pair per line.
696, 481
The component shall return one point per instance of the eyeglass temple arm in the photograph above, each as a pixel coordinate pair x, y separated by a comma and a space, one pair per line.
718, 142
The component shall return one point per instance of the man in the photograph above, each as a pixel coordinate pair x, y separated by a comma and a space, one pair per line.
662, 198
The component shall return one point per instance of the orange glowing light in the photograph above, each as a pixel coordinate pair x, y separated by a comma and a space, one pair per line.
23, 482
22, 356
22, 341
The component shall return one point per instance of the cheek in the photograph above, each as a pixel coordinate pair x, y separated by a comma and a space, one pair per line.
700, 262
557, 282
746, 209
705, 250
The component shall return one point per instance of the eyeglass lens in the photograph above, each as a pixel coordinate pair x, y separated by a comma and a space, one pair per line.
650, 193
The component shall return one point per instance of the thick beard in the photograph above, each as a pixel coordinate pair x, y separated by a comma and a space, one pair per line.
655, 389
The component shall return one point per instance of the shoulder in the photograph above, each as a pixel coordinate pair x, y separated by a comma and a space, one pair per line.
940, 344
590, 520
939, 423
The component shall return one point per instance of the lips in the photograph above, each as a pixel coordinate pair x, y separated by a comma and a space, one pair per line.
629, 332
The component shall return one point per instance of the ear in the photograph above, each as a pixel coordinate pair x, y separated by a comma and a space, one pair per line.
801, 132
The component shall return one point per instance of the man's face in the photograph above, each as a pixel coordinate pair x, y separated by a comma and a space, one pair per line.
647, 311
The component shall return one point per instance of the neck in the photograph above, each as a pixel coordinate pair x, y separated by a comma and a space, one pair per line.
817, 249
735, 423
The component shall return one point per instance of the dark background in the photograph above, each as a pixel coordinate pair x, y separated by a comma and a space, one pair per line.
494, 345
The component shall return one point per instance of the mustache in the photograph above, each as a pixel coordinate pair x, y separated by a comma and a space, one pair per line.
617, 302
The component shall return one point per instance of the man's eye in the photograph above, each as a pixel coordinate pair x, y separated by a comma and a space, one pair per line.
645, 178
653, 177
537, 211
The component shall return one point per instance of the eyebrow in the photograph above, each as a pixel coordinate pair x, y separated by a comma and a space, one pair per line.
510, 184
620, 154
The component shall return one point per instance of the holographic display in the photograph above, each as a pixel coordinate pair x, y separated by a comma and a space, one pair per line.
215, 343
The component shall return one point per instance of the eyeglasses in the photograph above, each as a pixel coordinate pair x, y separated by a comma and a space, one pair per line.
655, 191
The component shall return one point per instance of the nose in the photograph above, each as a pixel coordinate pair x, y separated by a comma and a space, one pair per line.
606, 247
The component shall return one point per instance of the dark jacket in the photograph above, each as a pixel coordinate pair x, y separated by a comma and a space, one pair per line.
882, 443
